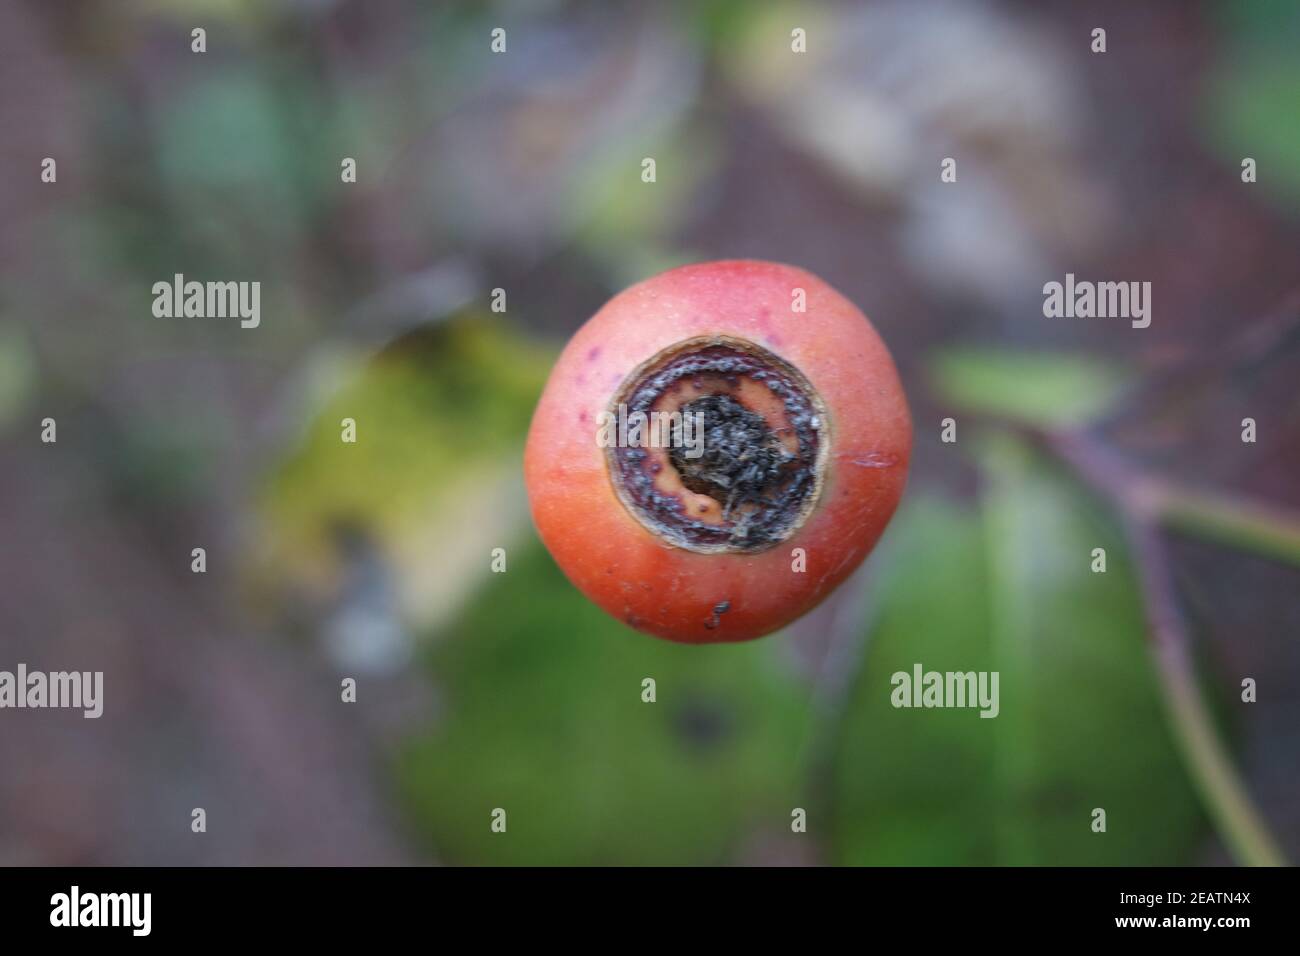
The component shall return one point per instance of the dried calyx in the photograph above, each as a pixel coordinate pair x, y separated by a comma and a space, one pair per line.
748, 439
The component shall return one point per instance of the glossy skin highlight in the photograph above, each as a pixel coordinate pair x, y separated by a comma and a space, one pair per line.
671, 592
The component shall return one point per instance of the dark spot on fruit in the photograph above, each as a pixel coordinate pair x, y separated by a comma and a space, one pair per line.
742, 463
593, 353
763, 488
722, 607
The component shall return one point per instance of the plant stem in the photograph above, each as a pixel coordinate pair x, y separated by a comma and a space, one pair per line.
1221, 787
1273, 532
1142, 503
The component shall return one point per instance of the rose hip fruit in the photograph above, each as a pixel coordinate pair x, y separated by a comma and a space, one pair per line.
734, 531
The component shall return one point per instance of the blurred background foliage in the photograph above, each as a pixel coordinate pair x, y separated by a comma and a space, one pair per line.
522, 172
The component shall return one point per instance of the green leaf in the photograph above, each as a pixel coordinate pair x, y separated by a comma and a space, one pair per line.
1043, 388
235, 162
543, 717
18, 373
1249, 110
440, 415
1080, 723
438, 406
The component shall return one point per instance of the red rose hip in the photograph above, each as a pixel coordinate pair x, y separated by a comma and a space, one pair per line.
717, 449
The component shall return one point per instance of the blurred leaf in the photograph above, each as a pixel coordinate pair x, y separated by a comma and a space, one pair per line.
544, 719
1250, 110
552, 146
1252, 23
718, 22
437, 415
616, 214
157, 464
1037, 388
223, 133
222, 11
232, 153
17, 372
1081, 724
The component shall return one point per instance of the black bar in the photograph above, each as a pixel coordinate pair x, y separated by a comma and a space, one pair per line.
335, 906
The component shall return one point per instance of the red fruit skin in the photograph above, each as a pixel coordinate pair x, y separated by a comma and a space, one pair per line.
671, 592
